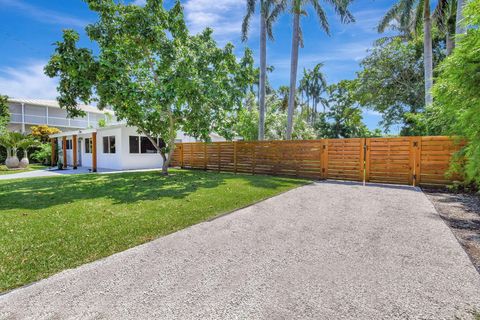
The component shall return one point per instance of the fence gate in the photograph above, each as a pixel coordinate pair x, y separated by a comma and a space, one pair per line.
389, 160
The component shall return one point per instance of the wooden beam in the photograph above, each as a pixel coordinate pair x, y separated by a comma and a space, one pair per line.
94, 152
362, 160
325, 158
415, 147
64, 149
74, 150
181, 155
54, 151
235, 156
367, 159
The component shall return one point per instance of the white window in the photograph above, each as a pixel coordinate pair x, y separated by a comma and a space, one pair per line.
109, 144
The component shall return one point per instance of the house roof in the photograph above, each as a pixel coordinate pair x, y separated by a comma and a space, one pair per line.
54, 104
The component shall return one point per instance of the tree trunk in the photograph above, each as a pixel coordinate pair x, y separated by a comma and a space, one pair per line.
427, 52
450, 43
263, 72
459, 28
293, 72
166, 163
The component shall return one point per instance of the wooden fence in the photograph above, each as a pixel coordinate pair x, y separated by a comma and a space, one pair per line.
404, 160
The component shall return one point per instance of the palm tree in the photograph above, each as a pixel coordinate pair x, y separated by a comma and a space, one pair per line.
415, 11
319, 85
459, 28
298, 8
269, 12
444, 17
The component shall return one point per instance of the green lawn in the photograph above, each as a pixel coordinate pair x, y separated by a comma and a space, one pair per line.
4, 170
51, 224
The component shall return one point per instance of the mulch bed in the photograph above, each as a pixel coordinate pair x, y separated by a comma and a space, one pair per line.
461, 212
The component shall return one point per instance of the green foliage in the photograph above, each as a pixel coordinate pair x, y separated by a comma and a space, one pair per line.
275, 120
102, 123
43, 154
391, 81
457, 96
153, 73
4, 113
312, 86
343, 118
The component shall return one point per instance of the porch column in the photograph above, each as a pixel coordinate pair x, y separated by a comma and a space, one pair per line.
64, 148
52, 140
94, 152
74, 150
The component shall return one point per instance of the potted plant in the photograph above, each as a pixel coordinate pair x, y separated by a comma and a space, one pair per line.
11, 140
24, 145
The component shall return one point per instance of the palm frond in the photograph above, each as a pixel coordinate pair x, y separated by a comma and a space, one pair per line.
418, 21
247, 18
392, 14
322, 17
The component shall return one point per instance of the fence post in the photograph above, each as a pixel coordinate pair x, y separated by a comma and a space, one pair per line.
191, 156
362, 160
253, 157
415, 159
367, 159
219, 155
205, 156
324, 162
181, 155
277, 156
235, 156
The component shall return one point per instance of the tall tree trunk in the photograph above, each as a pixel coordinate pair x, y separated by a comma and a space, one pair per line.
459, 28
427, 52
263, 72
293, 72
450, 43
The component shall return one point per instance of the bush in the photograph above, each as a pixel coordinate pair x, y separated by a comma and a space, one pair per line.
457, 97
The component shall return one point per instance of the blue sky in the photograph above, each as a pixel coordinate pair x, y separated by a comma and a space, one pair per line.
28, 28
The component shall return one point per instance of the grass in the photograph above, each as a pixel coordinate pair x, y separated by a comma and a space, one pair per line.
54, 223
4, 170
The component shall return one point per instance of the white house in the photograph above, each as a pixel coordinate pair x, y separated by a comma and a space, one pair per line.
117, 147
25, 113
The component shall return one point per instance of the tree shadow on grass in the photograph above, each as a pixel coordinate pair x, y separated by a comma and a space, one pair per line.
122, 188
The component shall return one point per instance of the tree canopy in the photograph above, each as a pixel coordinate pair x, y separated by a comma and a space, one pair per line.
457, 96
391, 81
153, 73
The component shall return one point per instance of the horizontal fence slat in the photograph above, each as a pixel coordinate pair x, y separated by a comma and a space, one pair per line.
403, 160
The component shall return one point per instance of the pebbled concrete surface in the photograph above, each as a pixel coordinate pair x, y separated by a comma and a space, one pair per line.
330, 250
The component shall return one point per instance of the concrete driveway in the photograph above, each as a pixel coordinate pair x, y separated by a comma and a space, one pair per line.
330, 250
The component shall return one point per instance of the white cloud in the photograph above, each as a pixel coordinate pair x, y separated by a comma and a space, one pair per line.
43, 15
27, 82
366, 22
139, 2
223, 16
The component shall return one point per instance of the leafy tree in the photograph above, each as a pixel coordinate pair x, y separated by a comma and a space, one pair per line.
407, 12
344, 117
4, 113
457, 94
269, 12
298, 8
153, 73
391, 81
42, 132
275, 120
